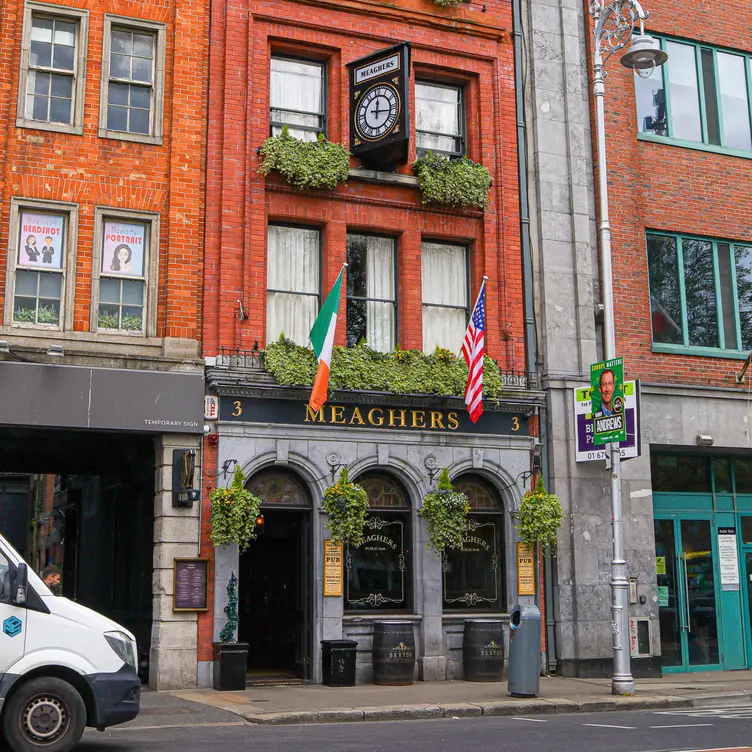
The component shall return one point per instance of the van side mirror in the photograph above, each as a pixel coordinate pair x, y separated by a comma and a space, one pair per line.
19, 585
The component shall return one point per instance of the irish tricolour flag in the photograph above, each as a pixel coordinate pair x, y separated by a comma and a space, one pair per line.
322, 339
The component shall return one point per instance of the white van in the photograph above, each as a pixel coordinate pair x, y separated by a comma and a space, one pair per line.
62, 666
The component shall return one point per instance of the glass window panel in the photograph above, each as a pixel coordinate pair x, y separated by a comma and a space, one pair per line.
26, 283
140, 96
356, 265
685, 97
60, 110
746, 529
48, 311
727, 296
109, 290
25, 310
120, 66
132, 319
65, 33
117, 118
62, 86
743, 260
50, 285
722, 475
665, 297
293, 259
139, 121
141, 70
143, 45
121, 41
39, 83
41, 108
117, 94
743, 476
40, 54
711, 99
292, 315
732, 83
444, 274
699, 293
443, 327
650, 98
438, 108
380, 326
133, 292
356, 321
63, 57
41, 30
682, 473
108, 317
296, 85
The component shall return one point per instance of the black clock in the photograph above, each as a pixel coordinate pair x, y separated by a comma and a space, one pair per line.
379, 122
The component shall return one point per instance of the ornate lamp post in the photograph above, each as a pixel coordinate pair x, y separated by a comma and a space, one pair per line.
614, 26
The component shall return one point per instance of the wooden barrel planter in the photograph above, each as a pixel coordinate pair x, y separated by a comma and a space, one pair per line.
393, 653
483, 651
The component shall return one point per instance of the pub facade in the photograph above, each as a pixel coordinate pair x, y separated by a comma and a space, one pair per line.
392, 84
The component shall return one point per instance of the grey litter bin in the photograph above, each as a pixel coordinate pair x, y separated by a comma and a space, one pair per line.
524, 651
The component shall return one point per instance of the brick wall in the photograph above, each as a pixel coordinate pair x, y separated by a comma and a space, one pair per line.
665, 187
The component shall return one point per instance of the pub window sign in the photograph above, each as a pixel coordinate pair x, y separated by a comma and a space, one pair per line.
379, 107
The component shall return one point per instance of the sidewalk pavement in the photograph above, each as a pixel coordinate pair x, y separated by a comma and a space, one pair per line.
451, 699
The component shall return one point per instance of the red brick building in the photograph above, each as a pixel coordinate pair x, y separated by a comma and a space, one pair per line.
102, 163
273, 253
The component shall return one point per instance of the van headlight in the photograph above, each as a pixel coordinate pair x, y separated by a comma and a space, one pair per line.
123, 646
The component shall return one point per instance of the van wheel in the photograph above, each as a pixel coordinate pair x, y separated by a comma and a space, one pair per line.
44, 715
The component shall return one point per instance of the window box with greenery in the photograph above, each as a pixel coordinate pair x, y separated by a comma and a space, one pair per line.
312, 165
459, 183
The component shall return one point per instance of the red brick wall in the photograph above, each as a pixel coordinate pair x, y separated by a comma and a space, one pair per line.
663, 187
472, 44
92, 171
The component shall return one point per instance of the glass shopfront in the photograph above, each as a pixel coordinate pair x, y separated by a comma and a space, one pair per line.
379, 570
473, 578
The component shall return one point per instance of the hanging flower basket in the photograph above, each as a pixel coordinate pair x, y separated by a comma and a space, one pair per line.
234, 513
445, 510
346, 503
539, 518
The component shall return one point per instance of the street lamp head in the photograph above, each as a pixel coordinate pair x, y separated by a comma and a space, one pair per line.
644, 55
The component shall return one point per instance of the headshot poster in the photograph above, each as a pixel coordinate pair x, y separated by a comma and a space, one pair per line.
40, 240
607, 395
123, 248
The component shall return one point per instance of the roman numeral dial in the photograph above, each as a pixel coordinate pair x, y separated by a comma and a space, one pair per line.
377, 112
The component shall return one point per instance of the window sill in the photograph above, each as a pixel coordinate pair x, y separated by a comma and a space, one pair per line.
700, 352
135, 137
39, 125
693, 145
370, 617
375, 176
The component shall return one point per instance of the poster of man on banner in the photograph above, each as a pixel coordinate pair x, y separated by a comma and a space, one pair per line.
607, 383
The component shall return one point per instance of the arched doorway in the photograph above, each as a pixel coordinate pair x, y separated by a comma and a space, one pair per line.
274, 590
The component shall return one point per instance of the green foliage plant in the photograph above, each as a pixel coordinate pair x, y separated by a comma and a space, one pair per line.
318, 164
452, 182
107, 320
447, 3
231, 611
346, 503
396, 372
24, 315
48, 315
234, 512
539, 518
445, 510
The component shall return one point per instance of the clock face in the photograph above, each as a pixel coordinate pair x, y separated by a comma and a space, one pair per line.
377, 112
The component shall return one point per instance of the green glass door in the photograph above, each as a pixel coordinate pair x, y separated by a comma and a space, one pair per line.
686, 567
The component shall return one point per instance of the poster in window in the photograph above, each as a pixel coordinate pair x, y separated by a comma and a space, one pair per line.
40, 240
123, 249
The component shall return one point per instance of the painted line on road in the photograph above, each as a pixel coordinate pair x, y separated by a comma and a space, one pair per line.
212, 724
530, 720
607, 725
683, 725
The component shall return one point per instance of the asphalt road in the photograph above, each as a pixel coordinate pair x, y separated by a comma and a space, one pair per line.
633, 731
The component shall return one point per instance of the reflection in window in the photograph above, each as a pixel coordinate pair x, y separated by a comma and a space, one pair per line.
684, 93
438, 119
743, 262
682, 473
650, 97
734, 104
722, 475
297, 98
699, 292
665, 298
743, 476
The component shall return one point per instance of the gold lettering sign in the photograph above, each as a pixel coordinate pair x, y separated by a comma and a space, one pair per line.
383, 417
332, 569
525, 570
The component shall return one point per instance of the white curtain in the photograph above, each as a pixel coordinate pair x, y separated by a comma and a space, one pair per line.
295, 85
438, 110
444, 275
380, 284
292, 269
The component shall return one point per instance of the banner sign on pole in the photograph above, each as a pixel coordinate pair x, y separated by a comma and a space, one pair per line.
607, 397
586, 450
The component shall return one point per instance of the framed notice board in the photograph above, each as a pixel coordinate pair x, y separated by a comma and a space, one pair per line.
525, 570
190, 591
332, 568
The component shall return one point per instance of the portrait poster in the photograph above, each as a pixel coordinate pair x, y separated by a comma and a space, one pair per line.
123, 248
40, 240
607, 397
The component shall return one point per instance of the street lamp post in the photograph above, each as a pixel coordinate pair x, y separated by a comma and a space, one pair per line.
614, 26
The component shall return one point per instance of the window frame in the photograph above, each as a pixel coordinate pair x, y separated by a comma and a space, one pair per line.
151, 269
324, 94
68, 271
686, 348
461, 137
395, 301
73, 15
705, 144
111, 22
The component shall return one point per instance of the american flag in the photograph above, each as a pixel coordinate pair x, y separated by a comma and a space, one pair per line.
473, 348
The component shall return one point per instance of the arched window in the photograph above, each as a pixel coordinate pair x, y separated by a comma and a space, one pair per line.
473, 578
279, 488
378, 571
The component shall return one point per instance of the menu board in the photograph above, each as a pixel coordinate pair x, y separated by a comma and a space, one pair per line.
729, 556
191, 580
332, 568
525, 570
